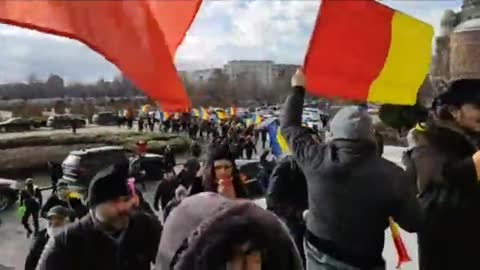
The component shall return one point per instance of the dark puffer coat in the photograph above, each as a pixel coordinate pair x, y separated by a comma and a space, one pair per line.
85, 246
36, 250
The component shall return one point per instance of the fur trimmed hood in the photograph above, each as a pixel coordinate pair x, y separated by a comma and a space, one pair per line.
201, 232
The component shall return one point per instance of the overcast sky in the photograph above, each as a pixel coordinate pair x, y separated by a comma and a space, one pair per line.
222, 31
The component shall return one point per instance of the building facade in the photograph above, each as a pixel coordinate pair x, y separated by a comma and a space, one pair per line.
264, 72
284, 70
458, 46
261, 71
202, 75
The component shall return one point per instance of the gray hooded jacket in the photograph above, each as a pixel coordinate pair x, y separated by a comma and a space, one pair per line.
352, 190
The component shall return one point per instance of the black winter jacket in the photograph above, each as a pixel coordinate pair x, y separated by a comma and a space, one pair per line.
440, 162
165, 192
287, 194
73, 203
84, 246
352, 191
36, 250
32, 199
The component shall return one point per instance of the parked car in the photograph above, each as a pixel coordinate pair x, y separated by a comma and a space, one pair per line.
17, 124
81, 166
8, 193
39, 122
249, 172
64, 121
310, 116
105, 119
147, 167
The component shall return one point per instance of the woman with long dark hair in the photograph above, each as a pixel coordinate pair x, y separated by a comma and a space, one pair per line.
220, 175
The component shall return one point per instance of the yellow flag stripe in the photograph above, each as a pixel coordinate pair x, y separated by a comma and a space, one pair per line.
407, 63
394, 227
282, 143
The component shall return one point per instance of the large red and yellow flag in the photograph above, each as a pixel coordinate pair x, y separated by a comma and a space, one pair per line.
362, 50
139, 37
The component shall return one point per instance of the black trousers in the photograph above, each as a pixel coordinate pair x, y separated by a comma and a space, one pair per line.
249, 154
34, 215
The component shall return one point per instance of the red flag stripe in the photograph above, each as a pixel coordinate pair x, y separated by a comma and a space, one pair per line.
136, 46
344, 49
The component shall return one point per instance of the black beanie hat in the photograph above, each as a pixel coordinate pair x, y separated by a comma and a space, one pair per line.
465, 91
108, 184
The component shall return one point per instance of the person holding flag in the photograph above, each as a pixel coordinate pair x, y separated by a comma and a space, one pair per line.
352, 191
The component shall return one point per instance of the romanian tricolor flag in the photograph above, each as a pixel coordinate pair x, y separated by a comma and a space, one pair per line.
399, 245
204, 114
257, 119
221, 115
277, 141
232, 111
164, 116
363, 50
195, 113
149, 32
145, 108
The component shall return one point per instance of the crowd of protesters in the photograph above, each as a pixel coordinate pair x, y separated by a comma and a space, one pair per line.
329, 201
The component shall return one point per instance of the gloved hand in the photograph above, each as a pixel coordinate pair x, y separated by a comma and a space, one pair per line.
298, 79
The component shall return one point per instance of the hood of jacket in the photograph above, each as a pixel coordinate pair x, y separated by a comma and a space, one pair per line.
352, 123
347, 152
202, 231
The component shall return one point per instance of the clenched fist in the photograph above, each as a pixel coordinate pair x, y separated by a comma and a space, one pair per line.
298, 79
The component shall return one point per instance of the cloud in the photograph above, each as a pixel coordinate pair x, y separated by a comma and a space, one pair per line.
223, 30
26, 52
258, 30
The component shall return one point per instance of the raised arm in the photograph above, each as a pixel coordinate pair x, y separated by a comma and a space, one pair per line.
302, 145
